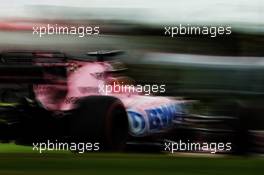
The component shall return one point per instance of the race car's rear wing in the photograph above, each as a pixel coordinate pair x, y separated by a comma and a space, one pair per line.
103, 55
31, 67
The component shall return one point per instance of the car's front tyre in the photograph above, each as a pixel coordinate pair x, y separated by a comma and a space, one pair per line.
101, 119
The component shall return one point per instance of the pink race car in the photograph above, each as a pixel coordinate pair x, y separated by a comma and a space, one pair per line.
82, 99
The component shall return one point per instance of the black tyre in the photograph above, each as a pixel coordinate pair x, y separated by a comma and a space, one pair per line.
100, 119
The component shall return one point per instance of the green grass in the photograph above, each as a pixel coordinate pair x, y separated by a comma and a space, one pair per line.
21, 160
12, 148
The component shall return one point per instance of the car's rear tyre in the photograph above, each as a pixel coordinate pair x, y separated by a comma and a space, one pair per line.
101, 119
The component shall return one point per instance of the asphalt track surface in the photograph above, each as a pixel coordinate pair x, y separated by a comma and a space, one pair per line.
21, 160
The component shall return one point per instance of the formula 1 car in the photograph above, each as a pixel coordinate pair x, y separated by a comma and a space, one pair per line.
50, 95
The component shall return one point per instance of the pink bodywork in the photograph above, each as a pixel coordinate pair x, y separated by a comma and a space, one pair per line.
85, 78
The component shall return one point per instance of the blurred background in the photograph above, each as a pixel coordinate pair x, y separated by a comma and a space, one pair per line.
225, 73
